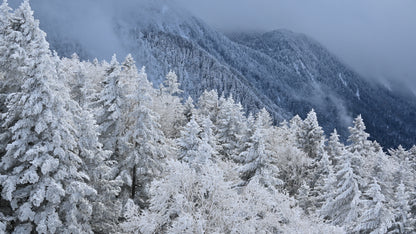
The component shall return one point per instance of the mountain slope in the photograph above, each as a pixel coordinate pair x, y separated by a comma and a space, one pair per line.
323, 82
286, 72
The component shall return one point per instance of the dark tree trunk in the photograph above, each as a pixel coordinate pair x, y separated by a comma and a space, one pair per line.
133, 183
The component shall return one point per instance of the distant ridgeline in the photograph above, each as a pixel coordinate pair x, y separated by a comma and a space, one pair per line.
285, 72
93, 147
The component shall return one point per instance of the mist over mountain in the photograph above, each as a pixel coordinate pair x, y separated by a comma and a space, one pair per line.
288, 73
89, 146
376, 38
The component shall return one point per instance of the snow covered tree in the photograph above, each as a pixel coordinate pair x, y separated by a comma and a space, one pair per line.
208, 104
257, 158
189, 142
13, 45
145, 145
325, 183
293, 163
311, 136
110, 115
101, 172
208, 137
187, 201
77, 76
189, 109
263, 120
326, 188
169, 107
358, 138
294, 126
413, 157
41, 171
171, 84
5, 29
4, 17
304, 198
343, 208
335, 149
197, 145
404, 173
376, 218
403, 222
231, 128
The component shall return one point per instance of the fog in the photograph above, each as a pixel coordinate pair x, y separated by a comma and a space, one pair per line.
376, 37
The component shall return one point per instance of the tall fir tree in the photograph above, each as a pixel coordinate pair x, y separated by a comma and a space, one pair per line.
110, 116
343, 208
231, 127
257, 158
208, 104
335, 149
145, 145
376, 217
189, 142
41, 172
311, 136
14, 44
359, 138
403, 222
168, 106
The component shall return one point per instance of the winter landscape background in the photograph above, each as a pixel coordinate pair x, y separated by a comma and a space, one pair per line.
216, 133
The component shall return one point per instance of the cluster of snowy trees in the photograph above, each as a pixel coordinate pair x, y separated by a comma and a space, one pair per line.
93, 147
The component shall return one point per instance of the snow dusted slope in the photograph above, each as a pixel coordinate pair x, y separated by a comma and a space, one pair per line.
286, 72
337, 93
171, 39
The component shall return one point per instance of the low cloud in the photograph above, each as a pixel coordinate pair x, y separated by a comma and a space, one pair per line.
376, 37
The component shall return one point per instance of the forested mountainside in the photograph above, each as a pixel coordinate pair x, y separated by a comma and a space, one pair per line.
93, 147
322, 81
283, 71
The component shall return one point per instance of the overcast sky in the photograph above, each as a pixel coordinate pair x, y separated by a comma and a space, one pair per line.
376, 37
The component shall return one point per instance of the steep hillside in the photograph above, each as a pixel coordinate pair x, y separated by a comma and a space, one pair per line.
323, 82
286, 72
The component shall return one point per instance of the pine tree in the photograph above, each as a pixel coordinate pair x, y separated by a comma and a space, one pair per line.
335, 148
310, 136
145, 145
358, 137
4, 17
208, 137
110, 115
257, 159
189, 109
42, 175
189, 142
5, 29
208, 104
376, 217
101, 172
169, 107
231, 128
403, 223
304, 198
13, 45
343, 207
325, 183
293, 162
294, 126
171, 84
404, 173
187, 201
